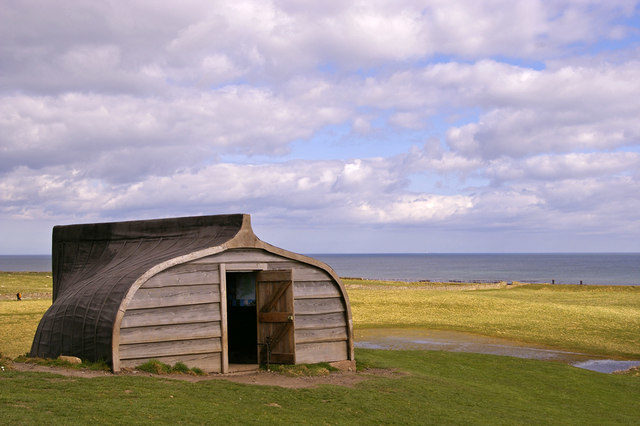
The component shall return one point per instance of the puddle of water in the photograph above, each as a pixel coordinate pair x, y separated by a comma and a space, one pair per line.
606, 365
455, 341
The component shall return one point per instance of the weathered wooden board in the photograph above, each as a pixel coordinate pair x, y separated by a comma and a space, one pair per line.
230, 256
301, 271
310, 322
335, 334
171, 315
318, 306
275, 276
209, 363
171, 278
171, 348
163, 333
315, 290
245, 266
274, 300
190, 267
308, 353
175, 296
224, 338
275, 316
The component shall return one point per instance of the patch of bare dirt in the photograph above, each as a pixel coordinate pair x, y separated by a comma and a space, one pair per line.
68, 372
262, 378
270, 378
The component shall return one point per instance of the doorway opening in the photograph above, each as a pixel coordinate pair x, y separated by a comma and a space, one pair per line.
242, 318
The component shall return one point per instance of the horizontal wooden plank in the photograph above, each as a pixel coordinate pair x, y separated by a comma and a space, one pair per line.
175, 296
163, 333
335, 334
318, 306
302, 271
171, 315
309, 353
281, 358
169, 278
209, 363
171, 348
190, 267
249, 255
275, 317
273, 276
245, 266
315, 290
310, 322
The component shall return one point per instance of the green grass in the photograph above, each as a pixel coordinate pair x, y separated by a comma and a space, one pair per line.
156, 367
439, 388
88, 365
306, 370
35, 285
602, 320
18, 323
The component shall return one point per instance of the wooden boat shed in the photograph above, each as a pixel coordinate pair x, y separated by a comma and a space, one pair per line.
203, 290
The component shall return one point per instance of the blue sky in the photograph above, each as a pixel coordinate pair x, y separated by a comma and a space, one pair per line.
405, 126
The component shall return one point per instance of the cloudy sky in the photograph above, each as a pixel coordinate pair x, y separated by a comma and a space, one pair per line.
374, 126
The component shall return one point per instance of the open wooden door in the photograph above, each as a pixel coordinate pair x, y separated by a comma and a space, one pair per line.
274, 299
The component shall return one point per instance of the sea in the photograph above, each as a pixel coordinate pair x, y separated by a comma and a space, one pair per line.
559, 268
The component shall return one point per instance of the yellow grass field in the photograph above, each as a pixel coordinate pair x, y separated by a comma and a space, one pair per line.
601, 320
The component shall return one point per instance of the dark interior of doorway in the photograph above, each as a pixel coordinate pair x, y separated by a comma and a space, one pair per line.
242, 325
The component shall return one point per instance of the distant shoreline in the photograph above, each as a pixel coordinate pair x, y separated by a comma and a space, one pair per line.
553, 268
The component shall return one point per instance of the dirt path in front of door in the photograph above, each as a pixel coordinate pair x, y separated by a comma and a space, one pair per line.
261, 378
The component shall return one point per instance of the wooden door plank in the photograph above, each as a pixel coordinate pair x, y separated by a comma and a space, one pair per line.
275, 297
282, 358
271, 276
274, 291
267, 317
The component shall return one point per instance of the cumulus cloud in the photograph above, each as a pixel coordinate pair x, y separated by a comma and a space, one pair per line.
465, 115
566, 166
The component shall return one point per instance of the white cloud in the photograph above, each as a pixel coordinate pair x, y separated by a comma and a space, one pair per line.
566, 166
111, 111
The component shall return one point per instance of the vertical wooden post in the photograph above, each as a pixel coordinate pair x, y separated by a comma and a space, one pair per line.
223, 318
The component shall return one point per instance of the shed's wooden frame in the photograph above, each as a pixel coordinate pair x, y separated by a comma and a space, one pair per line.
244, 239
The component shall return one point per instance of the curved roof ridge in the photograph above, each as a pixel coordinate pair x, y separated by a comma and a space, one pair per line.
94, 265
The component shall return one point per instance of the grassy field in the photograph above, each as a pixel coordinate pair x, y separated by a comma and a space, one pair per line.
19, 320
439, 388
32, 285
602, 320
436, 387
18, 323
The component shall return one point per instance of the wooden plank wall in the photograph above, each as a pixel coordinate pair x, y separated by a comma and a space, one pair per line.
175, 317
321, 332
